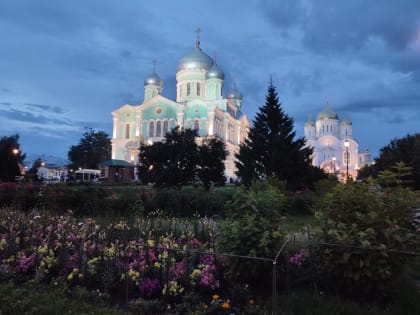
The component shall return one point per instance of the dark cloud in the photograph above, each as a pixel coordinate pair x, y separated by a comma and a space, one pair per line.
25, 116
48, 108
91, 57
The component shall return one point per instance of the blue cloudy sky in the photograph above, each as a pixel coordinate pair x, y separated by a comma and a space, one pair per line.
66, 65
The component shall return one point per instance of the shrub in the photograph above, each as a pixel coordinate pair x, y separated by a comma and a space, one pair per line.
373, 227
253, 229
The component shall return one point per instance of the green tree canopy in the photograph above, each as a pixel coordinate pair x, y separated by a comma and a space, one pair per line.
406, 150
94, 147
211, 168
271, 150
10, 157
180, 161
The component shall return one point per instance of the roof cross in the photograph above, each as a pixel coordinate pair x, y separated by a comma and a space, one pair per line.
197, 42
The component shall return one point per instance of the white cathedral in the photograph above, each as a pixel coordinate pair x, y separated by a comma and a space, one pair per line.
199, 105
334, 148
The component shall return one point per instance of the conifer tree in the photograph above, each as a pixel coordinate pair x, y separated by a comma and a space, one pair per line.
271, 151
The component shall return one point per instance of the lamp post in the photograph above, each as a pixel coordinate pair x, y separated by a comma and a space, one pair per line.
334, 158
346, 144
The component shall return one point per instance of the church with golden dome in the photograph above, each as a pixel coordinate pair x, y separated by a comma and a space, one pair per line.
334, 148
200, 104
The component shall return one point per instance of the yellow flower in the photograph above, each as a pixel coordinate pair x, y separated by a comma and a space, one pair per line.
196, 273
3, 244
43, 249
225, 305
151, 242
70, 277
215, 297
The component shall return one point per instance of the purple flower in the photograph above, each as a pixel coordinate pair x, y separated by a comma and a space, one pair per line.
150, 288
299, 258
25, 263
207, 277
177, 270
206, 260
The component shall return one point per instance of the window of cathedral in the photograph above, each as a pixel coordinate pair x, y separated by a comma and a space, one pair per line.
158, 129
188, 89
127, 131
346, 157
196, 125
198, 89
152, 129
165, 128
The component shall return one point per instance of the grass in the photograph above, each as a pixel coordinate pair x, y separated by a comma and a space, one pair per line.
36, 299
296, 222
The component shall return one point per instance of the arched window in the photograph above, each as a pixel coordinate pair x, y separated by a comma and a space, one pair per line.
127, 131
165, 128
347, 157
158, 129
152, 129
196, 125
188, 89
198, 89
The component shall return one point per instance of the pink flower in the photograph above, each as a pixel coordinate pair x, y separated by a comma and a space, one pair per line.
207, 277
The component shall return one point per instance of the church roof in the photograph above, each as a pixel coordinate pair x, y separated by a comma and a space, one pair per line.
234, 93
309, 123
195, 59
153, 79
327, 113
346, 122
215, 72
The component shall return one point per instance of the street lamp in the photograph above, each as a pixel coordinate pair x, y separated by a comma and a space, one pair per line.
334, 158
15, 151
346, 144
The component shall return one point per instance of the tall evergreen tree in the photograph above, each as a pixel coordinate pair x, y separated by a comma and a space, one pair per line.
271, 151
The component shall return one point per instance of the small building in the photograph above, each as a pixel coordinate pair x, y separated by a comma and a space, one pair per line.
52, 173
117, 171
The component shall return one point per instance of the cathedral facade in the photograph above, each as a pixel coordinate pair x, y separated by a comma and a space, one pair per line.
199, 105
334, 148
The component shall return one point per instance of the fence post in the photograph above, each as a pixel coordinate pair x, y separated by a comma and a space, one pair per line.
274, 304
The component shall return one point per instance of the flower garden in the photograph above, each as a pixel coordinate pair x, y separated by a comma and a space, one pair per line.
133, 259
152, 265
